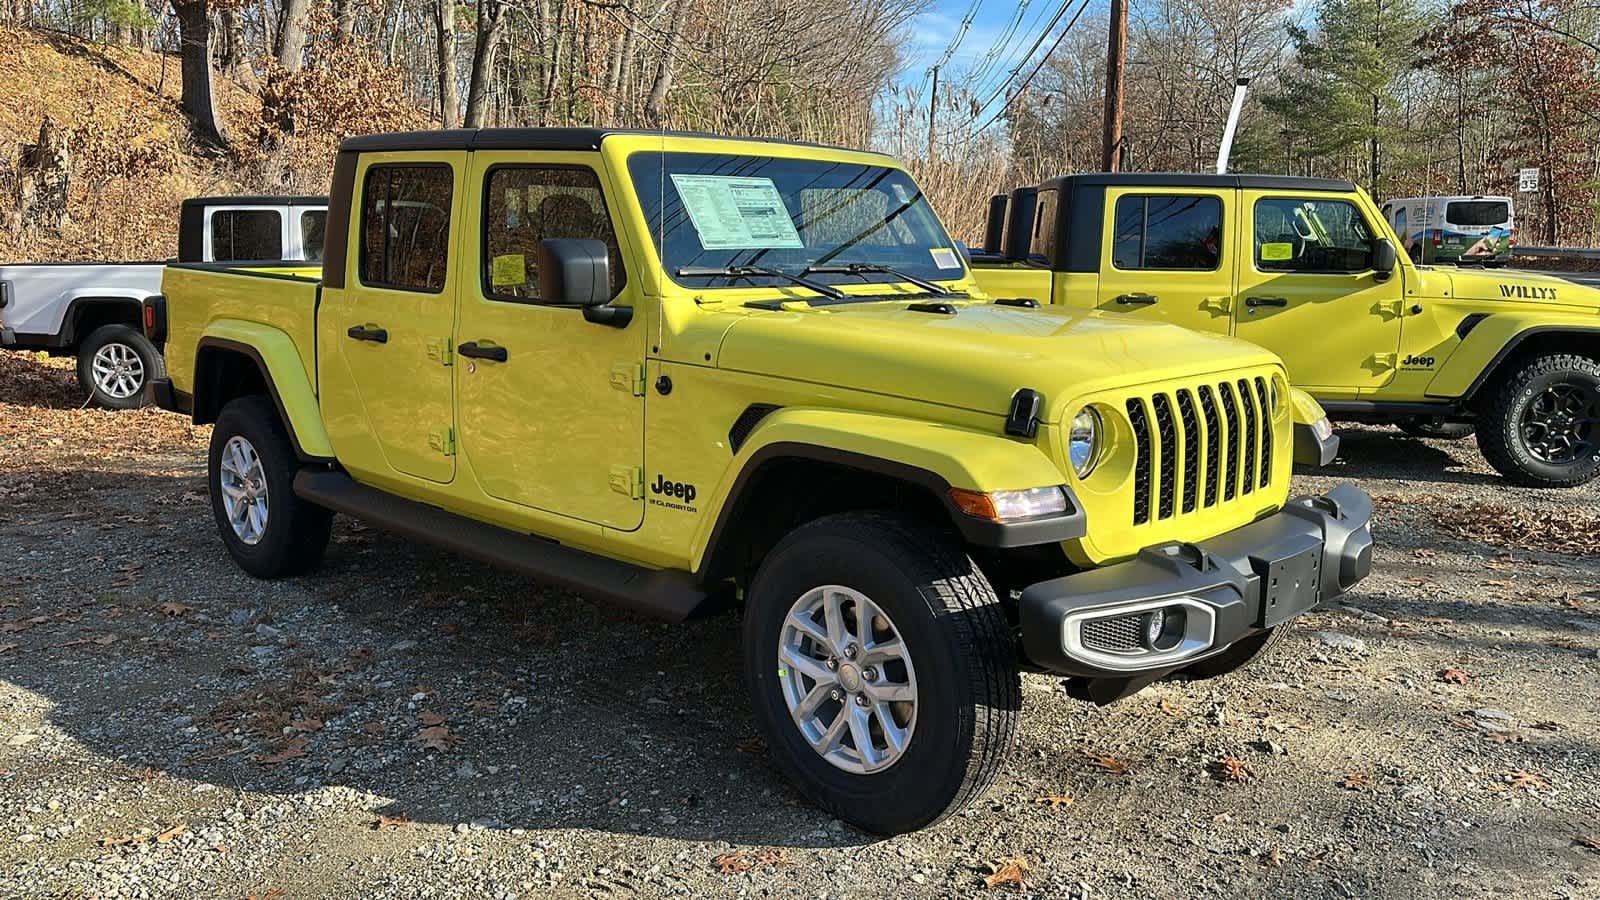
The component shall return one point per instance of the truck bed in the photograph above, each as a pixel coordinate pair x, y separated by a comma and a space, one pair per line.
233, 302
36, 297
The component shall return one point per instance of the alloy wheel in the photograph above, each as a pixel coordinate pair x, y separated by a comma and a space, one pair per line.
118, 371
243, 482
1559, 426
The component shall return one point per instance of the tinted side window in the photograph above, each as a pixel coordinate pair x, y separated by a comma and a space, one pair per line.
528, 204
312, 225
1477, 213
1167, 232
405, 227
246, 234
1043, 244
1311, 236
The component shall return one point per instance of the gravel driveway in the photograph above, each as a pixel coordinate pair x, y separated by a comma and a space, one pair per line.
405, 723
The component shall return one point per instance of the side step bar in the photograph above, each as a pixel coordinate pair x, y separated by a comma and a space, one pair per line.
662, 593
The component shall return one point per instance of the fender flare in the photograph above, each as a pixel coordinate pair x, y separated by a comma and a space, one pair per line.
1492, 340
275, 356
67, 329
929, 455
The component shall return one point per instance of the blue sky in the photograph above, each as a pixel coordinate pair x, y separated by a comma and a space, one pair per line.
931, 33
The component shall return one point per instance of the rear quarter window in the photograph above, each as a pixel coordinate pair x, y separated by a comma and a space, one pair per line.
242, 234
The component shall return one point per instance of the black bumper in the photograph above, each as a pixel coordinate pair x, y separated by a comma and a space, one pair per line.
1208, 594
1310, 450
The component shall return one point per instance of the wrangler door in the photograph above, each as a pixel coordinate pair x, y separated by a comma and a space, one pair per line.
1165, 257
1308, 292
551, 405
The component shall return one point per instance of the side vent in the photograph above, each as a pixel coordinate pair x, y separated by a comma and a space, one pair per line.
747, 422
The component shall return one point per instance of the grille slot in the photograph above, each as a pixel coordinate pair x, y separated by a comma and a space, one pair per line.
1141, 462
1119, 634
1198, 446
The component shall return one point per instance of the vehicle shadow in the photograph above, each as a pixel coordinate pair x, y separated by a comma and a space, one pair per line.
1382, 452
556, 712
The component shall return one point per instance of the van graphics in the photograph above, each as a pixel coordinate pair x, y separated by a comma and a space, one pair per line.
1527, 292
1417, 362
673, 494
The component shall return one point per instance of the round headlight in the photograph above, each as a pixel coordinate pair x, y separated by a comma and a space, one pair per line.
1083, 442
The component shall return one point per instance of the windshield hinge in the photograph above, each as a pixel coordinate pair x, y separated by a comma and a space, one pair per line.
628, 481
628, 377
1394, 308
439, 351
443, 440
1219, 305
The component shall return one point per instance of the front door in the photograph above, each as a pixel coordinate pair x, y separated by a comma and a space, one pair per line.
557, 424
1164, 257
387, 392
1307, 292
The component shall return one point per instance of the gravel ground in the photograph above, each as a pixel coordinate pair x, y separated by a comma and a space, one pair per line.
405, 723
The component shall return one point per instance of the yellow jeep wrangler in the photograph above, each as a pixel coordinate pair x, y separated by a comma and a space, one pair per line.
1310, 269
668, 370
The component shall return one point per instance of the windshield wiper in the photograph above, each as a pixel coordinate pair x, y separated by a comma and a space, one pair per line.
825, 290
864, 268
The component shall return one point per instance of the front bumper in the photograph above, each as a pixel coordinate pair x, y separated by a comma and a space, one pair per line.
1103, 624
1310, 449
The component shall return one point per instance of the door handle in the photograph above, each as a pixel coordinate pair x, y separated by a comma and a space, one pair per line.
472, 350
1137, 299
368, 333
1254, 302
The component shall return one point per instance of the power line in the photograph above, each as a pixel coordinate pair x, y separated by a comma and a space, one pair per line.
1040, 65
1044, 33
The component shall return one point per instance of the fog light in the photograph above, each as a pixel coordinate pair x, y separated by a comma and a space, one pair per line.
1163, 630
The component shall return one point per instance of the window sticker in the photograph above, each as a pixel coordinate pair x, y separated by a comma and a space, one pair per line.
508, 269
1277, 252
945, 258
737, 213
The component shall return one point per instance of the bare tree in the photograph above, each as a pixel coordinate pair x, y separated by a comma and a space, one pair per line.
291, 46
199, 99
444, 18
491, 23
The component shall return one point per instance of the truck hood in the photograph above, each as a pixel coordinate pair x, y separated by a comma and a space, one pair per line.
1517, 286
979, 357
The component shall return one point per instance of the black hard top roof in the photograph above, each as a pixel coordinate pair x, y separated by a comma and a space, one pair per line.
257, 200
530, 139
1178, 179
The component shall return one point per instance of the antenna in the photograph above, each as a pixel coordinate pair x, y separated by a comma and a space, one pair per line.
1239, 88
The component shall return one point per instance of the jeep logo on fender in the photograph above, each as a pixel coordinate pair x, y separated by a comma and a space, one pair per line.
1527, 292
673, 490
1418, 362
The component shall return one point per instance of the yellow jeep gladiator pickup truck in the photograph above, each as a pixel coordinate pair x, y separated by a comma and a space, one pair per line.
1308, 268
658, 369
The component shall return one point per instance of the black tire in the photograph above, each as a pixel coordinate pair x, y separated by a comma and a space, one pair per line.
1241, 653
295, 533
110, 338
1501, 434
1439, 431
960, 645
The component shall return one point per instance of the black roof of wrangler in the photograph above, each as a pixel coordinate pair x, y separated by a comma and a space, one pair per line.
531, 139
1172, 179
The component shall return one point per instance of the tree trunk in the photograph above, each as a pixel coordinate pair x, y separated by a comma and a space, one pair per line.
1373, 188
656, 107
344, 14
491, 21
444, 21
194, 32
291, 48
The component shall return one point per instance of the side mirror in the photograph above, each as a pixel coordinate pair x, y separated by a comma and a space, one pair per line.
574, 272
1383, 258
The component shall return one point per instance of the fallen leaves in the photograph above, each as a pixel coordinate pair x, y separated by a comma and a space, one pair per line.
165, 836
22, 625
1571, 531
1453, 676
436, 737
1272, 859
1522, 780
1232, 769
738, 861
1354, 782
293, 750
1107, 763
391, 823
1053, 800
1592, 843
173, 608
1011, 870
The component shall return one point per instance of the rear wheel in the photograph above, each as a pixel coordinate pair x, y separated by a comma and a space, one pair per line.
881, 670
1541, 425
1430, 428
268, 530
114, 364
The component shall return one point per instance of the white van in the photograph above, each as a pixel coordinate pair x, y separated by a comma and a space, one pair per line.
1459, 229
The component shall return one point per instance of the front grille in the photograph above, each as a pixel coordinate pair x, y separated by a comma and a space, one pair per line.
1196, 447
1121, 634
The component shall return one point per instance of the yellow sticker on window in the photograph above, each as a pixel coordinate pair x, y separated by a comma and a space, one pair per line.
507, 270
1277, 251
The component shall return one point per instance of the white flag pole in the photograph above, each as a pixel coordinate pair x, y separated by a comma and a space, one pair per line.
1239, 88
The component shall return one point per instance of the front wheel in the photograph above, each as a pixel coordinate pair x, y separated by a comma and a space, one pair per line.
881, 670
1541, 425
268, 530
114, 364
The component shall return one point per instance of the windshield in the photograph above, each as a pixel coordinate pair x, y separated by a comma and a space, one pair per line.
712, 210
1477, 213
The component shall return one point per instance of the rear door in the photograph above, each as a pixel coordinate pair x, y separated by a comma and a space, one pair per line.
1164, 256
386, 385
1307, 292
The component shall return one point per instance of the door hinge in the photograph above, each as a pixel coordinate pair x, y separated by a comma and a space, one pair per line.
1382, 361
628, 377
1219, 305
1394, 308
628, 481
439, 351
443, 440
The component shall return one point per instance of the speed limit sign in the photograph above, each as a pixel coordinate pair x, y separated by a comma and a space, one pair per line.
1527, 180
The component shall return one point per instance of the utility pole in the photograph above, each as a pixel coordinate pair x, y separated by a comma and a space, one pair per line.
1116, 63
933, 109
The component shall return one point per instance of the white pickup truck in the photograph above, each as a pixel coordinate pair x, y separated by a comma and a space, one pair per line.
92, 310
